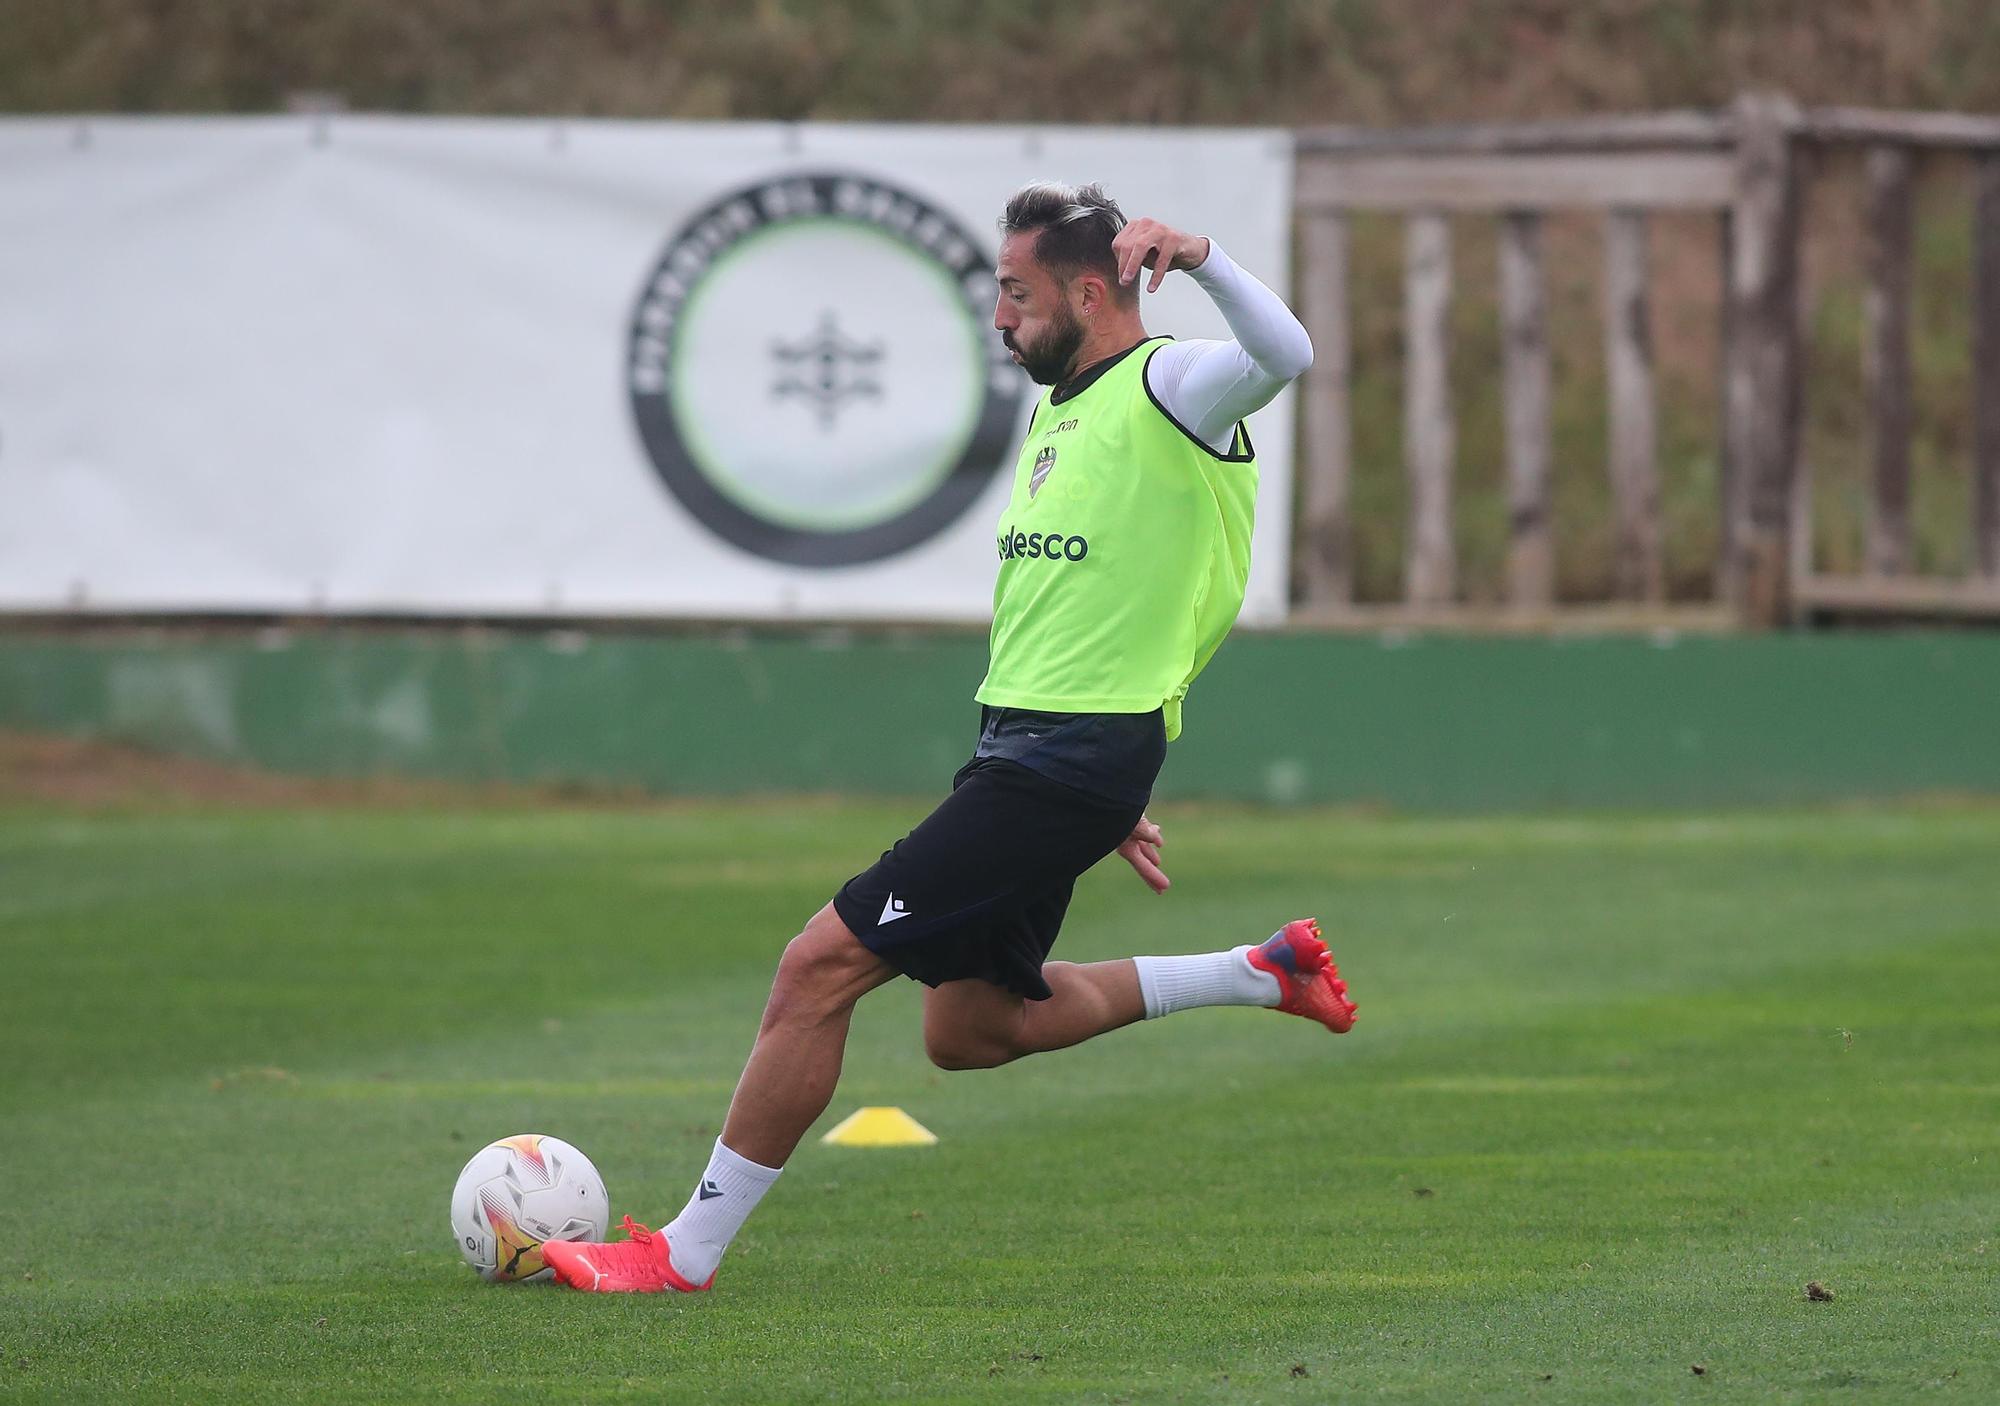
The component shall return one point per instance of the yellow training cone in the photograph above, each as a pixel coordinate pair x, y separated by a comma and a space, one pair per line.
880, 1127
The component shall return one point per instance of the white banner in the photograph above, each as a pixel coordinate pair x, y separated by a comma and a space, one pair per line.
443, 366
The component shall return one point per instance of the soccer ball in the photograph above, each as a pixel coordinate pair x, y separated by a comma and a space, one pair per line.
518, 1192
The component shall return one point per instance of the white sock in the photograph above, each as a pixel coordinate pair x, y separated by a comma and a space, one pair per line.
723, 1199
1172, 984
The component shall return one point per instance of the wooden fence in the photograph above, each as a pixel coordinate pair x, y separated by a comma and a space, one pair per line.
1748, 166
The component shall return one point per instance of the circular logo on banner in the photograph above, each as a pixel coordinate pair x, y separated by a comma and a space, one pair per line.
812, 372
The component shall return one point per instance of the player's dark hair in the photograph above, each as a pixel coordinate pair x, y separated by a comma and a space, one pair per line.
1076, 224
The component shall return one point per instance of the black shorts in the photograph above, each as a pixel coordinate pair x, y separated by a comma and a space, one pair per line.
979, 888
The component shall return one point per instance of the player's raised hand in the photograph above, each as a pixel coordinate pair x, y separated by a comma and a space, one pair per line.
1148, 244
1141, 850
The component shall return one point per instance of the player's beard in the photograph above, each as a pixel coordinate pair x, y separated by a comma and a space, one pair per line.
1049, 357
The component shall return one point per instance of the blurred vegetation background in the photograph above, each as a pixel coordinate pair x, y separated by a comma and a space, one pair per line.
1281, 62
1172, 61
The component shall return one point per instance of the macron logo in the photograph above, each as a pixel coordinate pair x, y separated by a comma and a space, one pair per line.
709, 1190
891, 911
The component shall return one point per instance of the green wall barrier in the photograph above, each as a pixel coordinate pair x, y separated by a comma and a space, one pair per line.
1419, 722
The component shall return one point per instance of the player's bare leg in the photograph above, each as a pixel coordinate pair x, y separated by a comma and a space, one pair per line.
793, 1067
970, 1024
976, 1025
786, 1084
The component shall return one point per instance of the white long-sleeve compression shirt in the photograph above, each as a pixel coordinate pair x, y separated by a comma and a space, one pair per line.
1207, 386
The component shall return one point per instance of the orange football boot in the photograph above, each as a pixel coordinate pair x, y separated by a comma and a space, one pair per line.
638, 1265
1307, 977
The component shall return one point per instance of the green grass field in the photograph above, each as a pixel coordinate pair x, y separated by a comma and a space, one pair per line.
1622, 1087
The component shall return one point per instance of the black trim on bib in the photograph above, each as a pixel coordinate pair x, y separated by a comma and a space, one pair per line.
1085, 379
1241, 437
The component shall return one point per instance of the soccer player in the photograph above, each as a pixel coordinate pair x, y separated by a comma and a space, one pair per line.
1123, 557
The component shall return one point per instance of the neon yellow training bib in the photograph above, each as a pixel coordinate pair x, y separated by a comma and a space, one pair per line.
1123, 554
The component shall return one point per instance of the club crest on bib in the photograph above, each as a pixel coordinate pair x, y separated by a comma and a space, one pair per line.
1044, 461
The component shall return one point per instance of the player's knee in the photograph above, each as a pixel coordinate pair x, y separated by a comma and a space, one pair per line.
801, 991
817, 976
954, 1055
959, 1049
